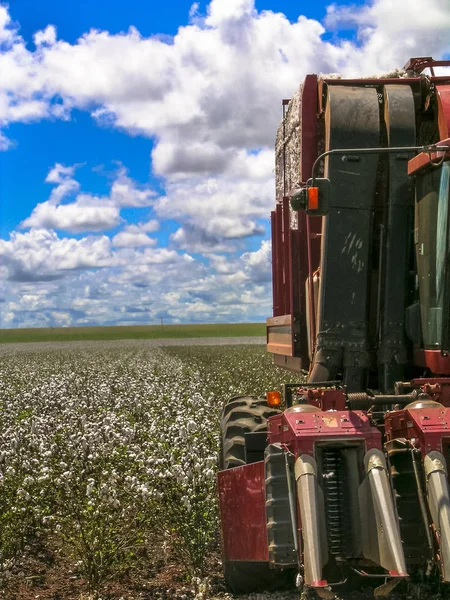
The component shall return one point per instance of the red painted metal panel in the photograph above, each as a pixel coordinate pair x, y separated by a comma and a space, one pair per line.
443, 96
242, 489
427, 428
295, 269
438, 388
301, 431
300, 276
287, 257
308, 120
424, 159
312, 307
298, 294
419, 63
280, 265
291, 247
275, 251
242, 506
433, 360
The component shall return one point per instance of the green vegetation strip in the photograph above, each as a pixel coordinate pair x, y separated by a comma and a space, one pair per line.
132, 332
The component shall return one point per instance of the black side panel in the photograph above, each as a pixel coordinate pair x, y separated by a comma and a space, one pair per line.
246, 577
352, 121
255, 444
401, 131
282, 551
416, 539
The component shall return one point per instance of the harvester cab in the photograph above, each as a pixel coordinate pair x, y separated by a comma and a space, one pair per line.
351, 477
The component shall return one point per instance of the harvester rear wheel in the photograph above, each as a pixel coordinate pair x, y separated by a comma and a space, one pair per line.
241, 415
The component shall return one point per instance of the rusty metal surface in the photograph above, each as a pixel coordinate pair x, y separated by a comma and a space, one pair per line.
424, 160
291, 363
386, 588
420, 63
279, 335
323, 399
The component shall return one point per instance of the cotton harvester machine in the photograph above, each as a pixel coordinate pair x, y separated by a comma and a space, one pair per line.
351, 478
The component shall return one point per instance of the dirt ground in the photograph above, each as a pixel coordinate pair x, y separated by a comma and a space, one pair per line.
42, 576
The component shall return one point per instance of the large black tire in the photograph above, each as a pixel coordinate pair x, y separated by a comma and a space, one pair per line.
241, 415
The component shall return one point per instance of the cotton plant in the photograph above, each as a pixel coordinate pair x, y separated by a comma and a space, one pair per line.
113, 452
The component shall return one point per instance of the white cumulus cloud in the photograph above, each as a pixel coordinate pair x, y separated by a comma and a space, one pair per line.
45, 37
219, 80
209, 98
40, 255
87, 212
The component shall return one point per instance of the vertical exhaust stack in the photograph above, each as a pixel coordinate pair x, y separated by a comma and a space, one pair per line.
438, 496
381, 534
311, 510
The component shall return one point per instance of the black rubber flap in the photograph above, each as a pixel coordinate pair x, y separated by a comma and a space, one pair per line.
352, 121
399, 114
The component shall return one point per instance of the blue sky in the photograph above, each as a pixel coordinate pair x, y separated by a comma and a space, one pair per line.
73, 19
136, 177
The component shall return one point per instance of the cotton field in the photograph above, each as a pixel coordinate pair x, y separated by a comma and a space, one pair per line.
108, 455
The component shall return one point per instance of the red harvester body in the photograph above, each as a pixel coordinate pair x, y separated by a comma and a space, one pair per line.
352, 475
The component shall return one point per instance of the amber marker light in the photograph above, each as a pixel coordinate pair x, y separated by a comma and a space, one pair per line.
313, 198
273, 398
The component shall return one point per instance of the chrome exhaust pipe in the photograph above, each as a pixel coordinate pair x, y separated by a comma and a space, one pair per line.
438, 497
390, 550
310, 503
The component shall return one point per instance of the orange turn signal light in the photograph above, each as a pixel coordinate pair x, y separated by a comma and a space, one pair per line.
313, 198
273, 398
